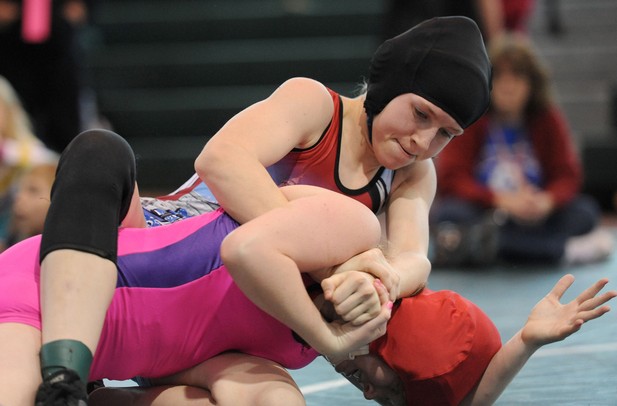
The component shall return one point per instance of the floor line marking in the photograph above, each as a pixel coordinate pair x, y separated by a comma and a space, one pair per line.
576, 349
544, 352
322, 386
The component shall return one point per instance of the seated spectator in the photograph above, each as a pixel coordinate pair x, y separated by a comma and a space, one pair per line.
19, 150
31, 202
510, 189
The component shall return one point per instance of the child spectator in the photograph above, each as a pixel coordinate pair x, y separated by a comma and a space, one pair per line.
19, 149
31, 203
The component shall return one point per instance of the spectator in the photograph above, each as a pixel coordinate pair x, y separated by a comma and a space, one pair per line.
493, 17
510, 189
19, 149
516, 14
400, 15
31, 203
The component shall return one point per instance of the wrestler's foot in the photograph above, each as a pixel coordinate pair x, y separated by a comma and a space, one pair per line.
62, 388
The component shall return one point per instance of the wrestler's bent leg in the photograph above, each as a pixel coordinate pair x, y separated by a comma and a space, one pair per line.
91, 195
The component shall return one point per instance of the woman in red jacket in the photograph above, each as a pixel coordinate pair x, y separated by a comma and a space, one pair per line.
516, 168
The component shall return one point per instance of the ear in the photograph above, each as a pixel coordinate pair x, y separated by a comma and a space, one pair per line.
369, 391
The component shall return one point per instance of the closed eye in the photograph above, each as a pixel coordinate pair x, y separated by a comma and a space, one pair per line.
446, 133
420, 114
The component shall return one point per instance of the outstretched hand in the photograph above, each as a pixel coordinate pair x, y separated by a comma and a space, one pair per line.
347, 338
551, 321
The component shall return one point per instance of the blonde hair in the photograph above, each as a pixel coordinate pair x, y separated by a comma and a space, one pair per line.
515, 52
17, 124
46, 172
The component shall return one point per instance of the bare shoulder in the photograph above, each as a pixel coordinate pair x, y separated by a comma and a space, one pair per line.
306, 103
305, 86
309, 93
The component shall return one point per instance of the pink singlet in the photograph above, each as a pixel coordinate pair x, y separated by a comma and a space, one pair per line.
175, 304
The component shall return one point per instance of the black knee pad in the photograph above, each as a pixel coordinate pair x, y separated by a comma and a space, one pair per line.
91, 195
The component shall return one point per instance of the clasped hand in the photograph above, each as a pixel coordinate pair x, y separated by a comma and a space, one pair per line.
365, 312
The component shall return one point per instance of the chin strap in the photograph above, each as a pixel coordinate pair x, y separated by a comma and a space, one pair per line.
364, 350
369, 123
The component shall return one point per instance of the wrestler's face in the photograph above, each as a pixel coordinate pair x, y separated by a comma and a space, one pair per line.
374, 378
409, 129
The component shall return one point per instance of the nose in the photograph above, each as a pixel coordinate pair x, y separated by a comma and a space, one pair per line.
422, 139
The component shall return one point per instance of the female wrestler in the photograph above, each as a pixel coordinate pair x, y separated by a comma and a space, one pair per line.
425, 86
177, 305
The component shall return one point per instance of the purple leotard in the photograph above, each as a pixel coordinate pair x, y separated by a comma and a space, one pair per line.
175, 304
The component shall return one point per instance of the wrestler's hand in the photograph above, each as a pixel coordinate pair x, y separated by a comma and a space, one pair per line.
374, 263
551, 321
353, 296
347, 338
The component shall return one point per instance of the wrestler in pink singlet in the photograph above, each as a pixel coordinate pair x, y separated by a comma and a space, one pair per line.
171, 310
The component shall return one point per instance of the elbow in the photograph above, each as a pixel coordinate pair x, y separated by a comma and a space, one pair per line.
206, 163
215, 166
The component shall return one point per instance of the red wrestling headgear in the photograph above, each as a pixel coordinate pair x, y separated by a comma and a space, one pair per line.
439, 344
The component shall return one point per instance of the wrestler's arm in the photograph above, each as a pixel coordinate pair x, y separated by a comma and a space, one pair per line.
548, 322
401, 261
233, 163
265, 256
407, 228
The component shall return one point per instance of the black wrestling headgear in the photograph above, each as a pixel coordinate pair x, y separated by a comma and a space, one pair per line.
442, 60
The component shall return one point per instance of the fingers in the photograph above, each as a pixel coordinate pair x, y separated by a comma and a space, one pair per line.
355, 337
561, 286
376, 327
591, 306
592, 291
593, 314
368, 310
328, 286
594, 301
587, 298
353, 295
384, 296
594, 307
375, 263
356, 296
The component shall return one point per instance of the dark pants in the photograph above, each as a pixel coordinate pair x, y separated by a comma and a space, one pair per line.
544, 242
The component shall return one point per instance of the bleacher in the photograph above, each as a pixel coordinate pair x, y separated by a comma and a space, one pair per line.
583, 63
169, 74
